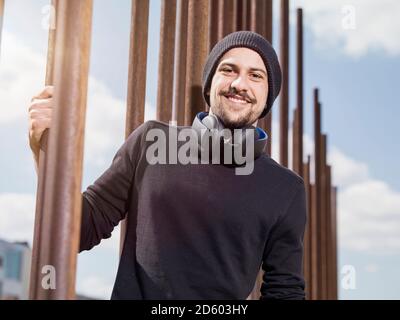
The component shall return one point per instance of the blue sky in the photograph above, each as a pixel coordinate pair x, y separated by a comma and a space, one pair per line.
356, 70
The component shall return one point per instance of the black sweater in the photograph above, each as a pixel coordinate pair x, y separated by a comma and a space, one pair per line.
198, 231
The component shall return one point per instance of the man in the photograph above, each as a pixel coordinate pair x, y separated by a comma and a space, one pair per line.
201, 231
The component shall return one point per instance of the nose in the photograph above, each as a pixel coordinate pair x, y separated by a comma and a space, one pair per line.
240, 83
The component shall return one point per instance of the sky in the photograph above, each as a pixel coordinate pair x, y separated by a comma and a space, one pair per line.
352, 54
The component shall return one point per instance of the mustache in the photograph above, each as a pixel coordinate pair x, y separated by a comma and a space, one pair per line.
234, 92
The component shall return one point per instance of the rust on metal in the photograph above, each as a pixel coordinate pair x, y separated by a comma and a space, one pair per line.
284, 100
225, 18
135, 105
37, 232
197, 52
61, 216
178, 107
307, 234
166, 61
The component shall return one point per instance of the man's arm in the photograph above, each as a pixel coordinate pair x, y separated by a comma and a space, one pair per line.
283, 254
105, 202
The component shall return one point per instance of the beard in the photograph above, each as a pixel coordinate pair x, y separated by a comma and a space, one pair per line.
221, 110
238, 122
233, 122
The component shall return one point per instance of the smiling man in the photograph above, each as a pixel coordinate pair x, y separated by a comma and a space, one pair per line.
199, 230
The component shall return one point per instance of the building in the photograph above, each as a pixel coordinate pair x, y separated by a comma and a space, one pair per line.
15, 261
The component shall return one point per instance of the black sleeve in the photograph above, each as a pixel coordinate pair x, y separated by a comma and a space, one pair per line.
283, 255
105, 202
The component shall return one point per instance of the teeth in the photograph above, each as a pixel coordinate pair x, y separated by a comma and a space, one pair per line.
237, 100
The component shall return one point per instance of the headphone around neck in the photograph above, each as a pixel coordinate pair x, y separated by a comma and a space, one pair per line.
205, 123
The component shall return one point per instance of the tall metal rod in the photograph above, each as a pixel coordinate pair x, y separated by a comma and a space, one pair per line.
268, 36
42, 167
196, 57
178, 107
329, 248
284, 100
166, 61
245, 12
307, 233
135, 106
323, 218
258, 21
225, 18
317, 199
213, 23
237, 14
314, 244
298, 135
334, 242
295, 142
61, 216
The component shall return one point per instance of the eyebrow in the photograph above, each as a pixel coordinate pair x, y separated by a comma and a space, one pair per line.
235, 66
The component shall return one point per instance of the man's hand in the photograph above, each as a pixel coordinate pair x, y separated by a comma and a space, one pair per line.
40, 115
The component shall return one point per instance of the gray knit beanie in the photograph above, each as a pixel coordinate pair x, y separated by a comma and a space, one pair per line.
256, 42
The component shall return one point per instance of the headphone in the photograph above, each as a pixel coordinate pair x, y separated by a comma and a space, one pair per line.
209, 124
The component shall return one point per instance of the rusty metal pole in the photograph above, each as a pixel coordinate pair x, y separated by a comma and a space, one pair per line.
60, 229
307, 233
295, 142
258, 21
237, 14
196, 57
317, 198
268, 35
166, 61
334, 241
298, 135
135, 107
213, 22
1, 19
323, 218
178, 106
225, 18
36, 248
284, 101
314, 244
329, 248
245, 8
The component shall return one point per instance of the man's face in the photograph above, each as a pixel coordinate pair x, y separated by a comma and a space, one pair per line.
239, 88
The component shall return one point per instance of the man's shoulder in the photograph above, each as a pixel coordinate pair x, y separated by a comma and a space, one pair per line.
280, 173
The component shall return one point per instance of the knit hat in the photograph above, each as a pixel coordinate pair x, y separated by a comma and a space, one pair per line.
256, 42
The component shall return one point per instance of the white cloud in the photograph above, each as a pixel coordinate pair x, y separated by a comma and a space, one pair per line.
346, 171
369, 217
17, 216
22, 73
368, 209
376, 25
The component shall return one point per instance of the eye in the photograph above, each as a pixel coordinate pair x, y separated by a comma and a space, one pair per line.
227, 70
257, 76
